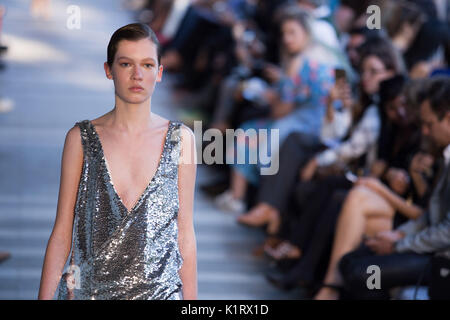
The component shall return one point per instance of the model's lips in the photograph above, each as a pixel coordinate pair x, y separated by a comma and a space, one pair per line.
136, 89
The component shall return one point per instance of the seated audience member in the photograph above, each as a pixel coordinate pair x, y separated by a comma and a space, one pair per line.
275, 190
404, 253
309, 234
297, 103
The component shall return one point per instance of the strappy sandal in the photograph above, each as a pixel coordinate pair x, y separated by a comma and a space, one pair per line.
284, 251
270, 242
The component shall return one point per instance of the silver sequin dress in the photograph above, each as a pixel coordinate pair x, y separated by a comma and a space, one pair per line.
118, 254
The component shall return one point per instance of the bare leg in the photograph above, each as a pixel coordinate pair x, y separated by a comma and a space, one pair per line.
363, 212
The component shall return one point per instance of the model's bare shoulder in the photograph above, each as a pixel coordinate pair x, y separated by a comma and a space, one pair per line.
73, 140
72, 157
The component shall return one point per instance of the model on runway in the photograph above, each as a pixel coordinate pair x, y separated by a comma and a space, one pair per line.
125, 208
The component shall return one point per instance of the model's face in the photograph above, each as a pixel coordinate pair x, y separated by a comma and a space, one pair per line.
437, 130
295, 37
135, 70
373, 71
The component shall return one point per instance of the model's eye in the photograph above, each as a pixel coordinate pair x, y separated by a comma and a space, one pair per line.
148, 65
124, 64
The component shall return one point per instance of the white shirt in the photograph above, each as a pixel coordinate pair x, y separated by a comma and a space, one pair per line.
447, 155
175, 17
361, 140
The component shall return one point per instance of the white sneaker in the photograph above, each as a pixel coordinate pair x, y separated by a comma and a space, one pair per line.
226, 202
222, 198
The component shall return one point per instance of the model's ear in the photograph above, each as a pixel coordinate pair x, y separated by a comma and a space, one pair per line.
107, 71
160, 73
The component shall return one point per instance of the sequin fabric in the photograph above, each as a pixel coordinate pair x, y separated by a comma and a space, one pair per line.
118, 254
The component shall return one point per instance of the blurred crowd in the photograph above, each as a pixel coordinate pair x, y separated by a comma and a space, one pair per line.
363, 119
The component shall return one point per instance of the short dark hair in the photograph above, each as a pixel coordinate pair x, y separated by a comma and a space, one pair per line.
438, 94
391, 88
132, 32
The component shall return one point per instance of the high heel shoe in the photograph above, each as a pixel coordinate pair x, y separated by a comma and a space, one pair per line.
257, 218
260, 218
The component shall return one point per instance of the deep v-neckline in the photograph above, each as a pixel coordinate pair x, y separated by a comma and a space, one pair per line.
109, 176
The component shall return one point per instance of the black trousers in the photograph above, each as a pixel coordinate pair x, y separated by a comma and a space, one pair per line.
397, 269
295, 151
314, 231
314, 205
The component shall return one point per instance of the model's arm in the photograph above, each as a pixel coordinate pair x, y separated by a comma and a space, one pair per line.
58, 246
186, 235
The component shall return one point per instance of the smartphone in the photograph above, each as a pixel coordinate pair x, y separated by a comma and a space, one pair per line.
340, 74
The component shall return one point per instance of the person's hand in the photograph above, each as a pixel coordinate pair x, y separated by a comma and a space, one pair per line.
270, 96
272, 72
308, 171
420, 70
383, 242
421, 164
341, 91
372, 183
345, 94
238, 31
398, 180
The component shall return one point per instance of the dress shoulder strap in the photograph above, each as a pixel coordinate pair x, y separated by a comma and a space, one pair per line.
173, 142
86, 133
